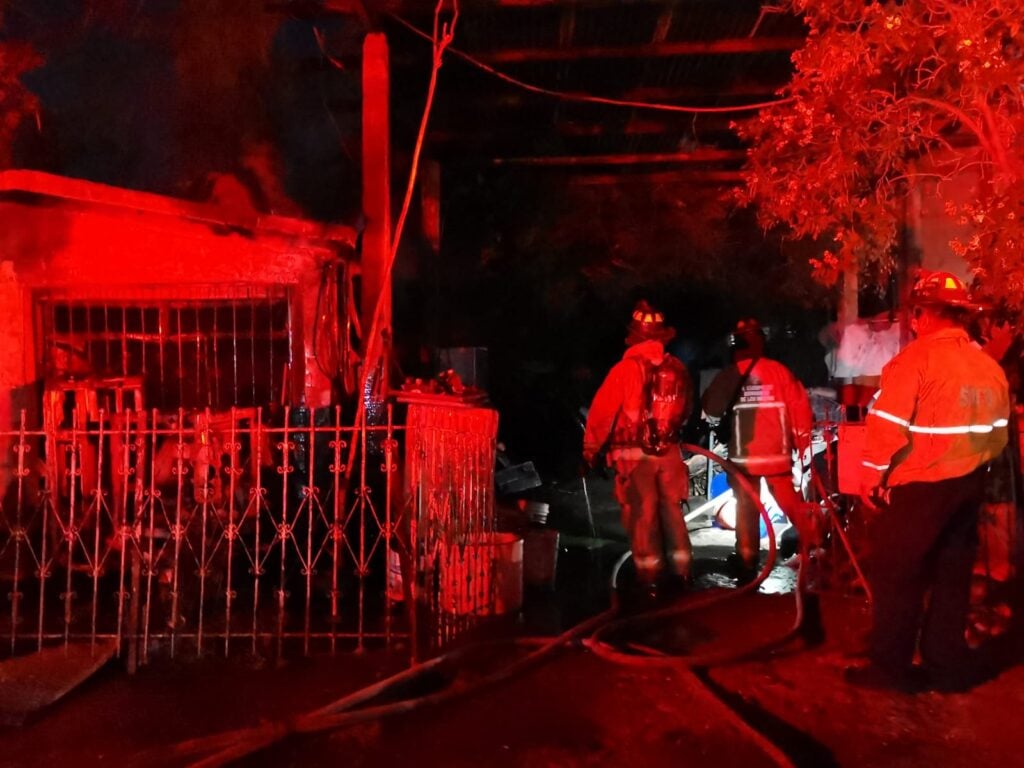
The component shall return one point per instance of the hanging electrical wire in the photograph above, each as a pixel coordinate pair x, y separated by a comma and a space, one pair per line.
589, 98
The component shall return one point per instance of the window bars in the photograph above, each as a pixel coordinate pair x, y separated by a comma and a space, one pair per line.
189, 353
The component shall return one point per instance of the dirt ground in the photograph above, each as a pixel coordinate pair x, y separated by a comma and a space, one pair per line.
575, 709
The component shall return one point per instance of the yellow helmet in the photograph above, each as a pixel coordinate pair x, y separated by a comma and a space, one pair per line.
646, 324
942, 289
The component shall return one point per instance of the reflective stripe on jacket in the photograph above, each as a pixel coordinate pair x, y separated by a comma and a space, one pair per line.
943, 411
771, 416
614, 415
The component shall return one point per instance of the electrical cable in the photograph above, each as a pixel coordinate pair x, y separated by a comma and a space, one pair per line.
588, 98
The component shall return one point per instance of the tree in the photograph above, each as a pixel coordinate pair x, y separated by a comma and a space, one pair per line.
16, 101
886, 96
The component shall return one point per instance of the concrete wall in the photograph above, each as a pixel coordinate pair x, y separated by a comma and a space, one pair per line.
94, 242
932, 228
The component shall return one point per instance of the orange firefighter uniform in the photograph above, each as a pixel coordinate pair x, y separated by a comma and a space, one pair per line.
649, 488
942, 411
940, 417
771, 417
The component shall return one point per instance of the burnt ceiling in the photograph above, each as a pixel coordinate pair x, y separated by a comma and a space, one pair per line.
160, 95
693, 53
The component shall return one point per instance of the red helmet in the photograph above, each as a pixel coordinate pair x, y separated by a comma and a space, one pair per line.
942, 289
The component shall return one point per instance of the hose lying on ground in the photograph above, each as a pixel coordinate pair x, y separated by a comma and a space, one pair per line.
220, 749
234, 745
603, 649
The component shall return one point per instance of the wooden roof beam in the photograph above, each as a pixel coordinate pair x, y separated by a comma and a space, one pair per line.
680, 176
696, 156
737, 45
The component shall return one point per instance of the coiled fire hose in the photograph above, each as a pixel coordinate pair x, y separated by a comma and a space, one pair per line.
221, 749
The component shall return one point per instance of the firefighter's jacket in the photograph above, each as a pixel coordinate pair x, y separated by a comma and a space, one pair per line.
943, 411
615, 414
771, 416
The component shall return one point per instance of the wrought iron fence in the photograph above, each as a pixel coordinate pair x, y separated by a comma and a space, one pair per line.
202, 531
449, 478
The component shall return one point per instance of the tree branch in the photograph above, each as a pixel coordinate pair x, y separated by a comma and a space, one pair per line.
961, 116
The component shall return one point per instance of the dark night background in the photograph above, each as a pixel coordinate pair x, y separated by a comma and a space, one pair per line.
248, 103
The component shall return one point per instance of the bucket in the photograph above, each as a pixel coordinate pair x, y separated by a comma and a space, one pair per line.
540, 557
483, 577
538, 512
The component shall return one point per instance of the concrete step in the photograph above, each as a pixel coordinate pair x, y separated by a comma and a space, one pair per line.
30, 683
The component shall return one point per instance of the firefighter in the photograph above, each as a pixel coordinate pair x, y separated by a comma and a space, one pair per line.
768, 416
940, 418
637, 413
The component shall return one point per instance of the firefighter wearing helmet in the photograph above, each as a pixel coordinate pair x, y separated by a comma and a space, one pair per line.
637, 414
940, 418
767, 413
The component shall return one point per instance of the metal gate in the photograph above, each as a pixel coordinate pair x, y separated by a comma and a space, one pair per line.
201, 531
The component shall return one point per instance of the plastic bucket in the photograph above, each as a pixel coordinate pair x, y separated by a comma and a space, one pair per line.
483, 577
540, 557
538, 512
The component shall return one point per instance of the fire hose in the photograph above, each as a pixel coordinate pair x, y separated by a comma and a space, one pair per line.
221, 749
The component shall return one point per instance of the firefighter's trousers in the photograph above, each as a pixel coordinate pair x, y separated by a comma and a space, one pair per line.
923, 543
748, 518
651, 491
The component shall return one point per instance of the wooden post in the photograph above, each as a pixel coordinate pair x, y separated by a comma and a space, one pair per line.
376, 185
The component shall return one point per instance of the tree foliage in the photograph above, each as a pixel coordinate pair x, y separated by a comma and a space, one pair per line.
886, 96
